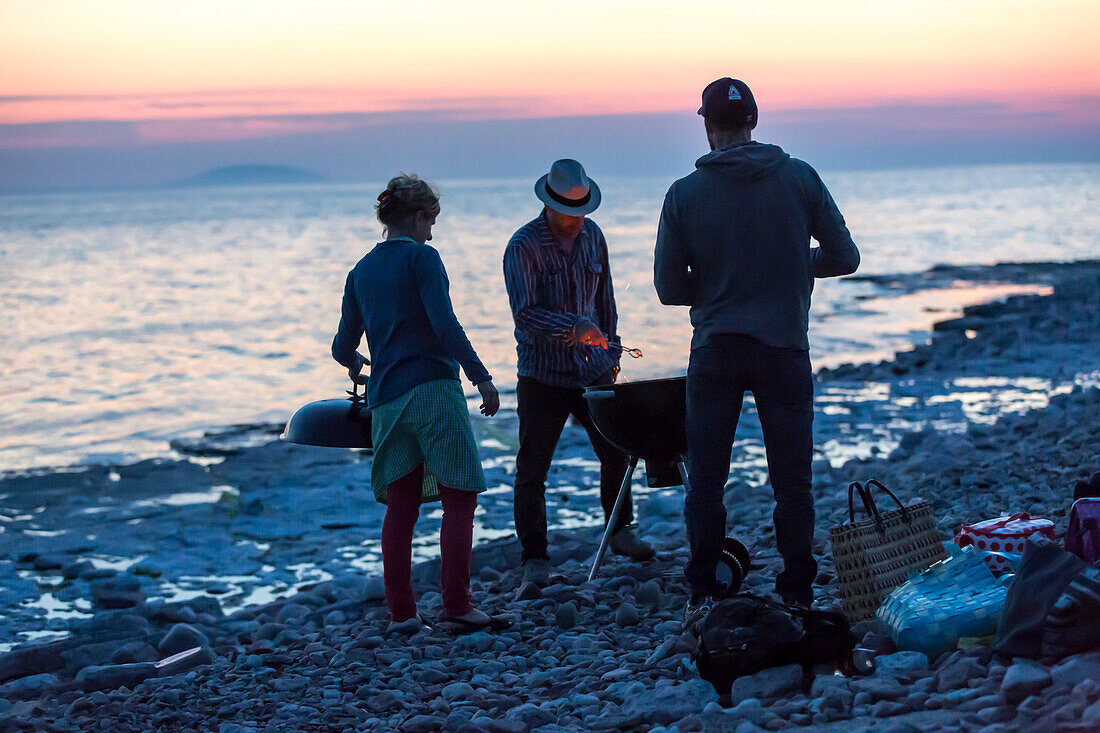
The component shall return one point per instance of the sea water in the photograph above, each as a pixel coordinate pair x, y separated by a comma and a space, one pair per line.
128, 318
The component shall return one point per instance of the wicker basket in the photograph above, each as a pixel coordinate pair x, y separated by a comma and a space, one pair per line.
875, 555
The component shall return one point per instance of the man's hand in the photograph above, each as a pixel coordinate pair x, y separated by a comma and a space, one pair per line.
588, 333
490, 398
356, 370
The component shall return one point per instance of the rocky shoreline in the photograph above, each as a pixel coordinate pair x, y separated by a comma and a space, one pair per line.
605, 655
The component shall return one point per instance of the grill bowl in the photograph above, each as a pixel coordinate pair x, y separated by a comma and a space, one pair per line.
644, 419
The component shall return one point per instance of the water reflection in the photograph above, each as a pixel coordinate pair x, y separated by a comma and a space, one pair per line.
187, 336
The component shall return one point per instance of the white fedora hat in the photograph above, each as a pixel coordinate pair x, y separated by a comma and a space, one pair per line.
567, 190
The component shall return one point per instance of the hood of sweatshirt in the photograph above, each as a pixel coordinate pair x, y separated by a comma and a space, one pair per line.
744, 161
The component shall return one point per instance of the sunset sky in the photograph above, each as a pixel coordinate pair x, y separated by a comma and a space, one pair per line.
146, 80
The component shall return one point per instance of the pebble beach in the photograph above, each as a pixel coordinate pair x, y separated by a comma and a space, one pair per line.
106, 572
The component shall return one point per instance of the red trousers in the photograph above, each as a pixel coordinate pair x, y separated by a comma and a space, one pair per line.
455, 541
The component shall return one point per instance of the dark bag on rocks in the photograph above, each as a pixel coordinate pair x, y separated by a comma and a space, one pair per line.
1087, 487
746, 634
1052, 605
1083, 532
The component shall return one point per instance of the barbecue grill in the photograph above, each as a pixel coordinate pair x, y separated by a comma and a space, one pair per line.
645, 420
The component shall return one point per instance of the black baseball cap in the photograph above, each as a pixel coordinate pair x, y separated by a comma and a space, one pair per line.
729, 102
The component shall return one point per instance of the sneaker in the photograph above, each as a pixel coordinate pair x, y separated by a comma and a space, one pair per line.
536, 570
624, 542
695, 611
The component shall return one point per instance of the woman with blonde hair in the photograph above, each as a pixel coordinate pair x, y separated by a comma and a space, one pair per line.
424, 448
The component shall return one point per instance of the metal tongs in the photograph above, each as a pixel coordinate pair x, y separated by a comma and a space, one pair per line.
636, 353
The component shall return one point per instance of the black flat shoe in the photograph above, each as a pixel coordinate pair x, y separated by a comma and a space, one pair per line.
459, 626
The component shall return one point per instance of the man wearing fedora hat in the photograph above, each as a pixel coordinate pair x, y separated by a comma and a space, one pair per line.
559, 286
734, 244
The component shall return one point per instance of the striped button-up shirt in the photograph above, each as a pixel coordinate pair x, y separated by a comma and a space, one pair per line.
550, 292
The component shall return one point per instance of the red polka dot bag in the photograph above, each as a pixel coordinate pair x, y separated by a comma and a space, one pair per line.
1004, 534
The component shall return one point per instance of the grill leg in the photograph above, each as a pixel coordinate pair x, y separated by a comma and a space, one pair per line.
680, 464
614, 518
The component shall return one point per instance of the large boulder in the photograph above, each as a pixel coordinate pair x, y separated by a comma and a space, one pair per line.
91, 654
113, 676
768, 683
957, 671
185, 611
181, 637
1072, 671
184, 661
33, 659
1022, 680
126, 623
666, 703
135, 651
901, 664
29, 687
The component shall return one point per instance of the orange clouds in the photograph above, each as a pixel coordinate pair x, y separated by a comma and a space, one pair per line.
161, 60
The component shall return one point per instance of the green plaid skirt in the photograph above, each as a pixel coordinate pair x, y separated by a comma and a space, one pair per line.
428, 425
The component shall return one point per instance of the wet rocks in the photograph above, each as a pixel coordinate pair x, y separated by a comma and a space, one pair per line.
875, 689
666, 702
14, 588
565, 615
649, 594
768, 683
957, 671
528, 592
29, 687
292, 612
457, 691
48, 562
185, 661
32, 659
112, 676
900, 664
1022, 680
626, 615
1075, 670
887, 709
181, 637
120, 591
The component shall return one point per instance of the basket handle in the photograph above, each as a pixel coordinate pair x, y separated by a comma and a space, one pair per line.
868, 503
1002, 521
876, 482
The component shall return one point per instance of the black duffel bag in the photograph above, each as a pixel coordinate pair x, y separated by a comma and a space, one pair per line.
1052, 605
745, 634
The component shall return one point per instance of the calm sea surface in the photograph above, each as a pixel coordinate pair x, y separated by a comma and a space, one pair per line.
129, 318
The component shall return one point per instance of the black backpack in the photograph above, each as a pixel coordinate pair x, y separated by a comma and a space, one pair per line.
745, 634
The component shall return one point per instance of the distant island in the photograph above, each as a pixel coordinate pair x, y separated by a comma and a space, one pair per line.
255, 174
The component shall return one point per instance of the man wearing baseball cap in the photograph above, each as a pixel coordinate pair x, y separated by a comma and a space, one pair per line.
734, 244
558, 277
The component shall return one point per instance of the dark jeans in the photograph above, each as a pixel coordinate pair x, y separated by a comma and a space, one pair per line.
543, 411
781, 382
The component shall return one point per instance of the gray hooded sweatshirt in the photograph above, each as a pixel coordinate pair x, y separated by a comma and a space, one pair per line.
734, 244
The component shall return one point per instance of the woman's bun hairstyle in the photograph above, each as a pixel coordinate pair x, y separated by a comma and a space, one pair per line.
404, 196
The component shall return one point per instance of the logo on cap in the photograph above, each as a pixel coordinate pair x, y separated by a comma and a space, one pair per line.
734, 94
